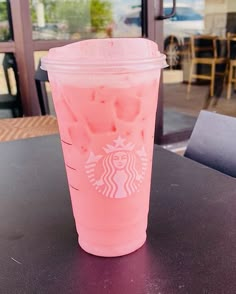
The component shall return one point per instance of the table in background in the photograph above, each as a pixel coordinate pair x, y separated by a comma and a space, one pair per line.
191, 244
27, 127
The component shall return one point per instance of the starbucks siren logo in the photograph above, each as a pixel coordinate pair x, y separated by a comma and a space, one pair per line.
123, 169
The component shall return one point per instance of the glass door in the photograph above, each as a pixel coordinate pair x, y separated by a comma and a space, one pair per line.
39, 25
186, 91
179, 107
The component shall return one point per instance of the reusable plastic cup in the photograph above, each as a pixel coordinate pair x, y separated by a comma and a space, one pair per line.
105, 95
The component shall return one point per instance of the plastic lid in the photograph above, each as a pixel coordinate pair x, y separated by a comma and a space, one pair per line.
105, 55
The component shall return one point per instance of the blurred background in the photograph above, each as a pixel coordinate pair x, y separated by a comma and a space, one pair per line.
29, 28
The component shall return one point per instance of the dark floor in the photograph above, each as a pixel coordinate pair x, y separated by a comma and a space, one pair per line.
181, 111
175, 121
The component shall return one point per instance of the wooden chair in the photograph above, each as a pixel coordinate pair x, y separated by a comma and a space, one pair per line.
205, 50
11, 100
231, 45
213, 142
41, 77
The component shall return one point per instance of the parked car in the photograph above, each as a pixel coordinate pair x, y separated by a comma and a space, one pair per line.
182, 25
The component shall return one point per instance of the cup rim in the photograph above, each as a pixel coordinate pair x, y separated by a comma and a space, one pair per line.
113, 65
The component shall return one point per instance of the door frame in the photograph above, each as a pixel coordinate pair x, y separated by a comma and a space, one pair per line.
155, 33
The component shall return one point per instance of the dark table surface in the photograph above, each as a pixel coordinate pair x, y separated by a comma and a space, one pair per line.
191, 245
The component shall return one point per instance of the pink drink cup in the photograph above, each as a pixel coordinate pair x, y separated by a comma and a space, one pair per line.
105, 95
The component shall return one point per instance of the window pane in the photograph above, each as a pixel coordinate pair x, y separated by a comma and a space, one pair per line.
4, 23
82, 19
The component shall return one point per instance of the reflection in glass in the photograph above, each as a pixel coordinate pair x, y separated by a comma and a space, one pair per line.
184, 46
180, 110
4, 22
82, 19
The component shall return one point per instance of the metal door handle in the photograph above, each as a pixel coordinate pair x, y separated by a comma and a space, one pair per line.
172, 13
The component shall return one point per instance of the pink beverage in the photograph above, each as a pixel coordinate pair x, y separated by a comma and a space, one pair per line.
105, 95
